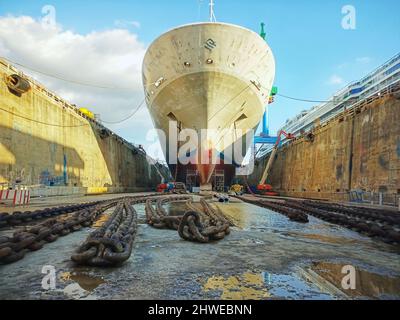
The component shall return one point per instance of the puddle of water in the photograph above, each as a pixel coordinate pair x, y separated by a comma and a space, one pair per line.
264, 285
86, 282
368, 284
248, 286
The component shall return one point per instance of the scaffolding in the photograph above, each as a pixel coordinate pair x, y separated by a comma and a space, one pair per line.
219, 180
192, 178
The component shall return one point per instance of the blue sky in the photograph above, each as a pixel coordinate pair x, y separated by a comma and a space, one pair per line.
315, 56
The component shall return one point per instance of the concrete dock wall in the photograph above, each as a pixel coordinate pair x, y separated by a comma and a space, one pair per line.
45, 142
356, 150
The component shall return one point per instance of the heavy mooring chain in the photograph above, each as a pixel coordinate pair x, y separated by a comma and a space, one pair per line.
19, 218
353, 219
111, 244
31, 239
195, 225
158, 217
203, 225
378, 215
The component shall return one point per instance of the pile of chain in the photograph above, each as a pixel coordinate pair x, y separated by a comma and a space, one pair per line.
372, 222
158, 217
111, 244
203, 225
294, 214
380, 223
18, 218
197, 225
32, 239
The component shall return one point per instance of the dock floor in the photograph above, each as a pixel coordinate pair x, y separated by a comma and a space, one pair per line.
266, 256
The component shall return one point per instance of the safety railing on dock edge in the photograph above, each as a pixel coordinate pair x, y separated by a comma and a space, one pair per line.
16, 194
375, 198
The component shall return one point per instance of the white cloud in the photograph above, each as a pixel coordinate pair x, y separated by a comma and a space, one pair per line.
363, 60
111, 58
335, 80
126, 24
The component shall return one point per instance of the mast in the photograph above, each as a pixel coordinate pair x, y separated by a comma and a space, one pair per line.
212, 15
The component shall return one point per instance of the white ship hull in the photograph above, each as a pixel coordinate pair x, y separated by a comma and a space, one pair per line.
209, 76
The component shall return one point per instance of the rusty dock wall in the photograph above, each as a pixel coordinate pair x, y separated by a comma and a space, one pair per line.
359, 149
47, 143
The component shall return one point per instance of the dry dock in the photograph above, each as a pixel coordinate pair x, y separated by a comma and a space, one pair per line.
87, 210
266, 256
51, 146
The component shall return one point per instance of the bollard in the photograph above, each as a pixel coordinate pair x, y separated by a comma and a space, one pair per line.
380, 198
372, 197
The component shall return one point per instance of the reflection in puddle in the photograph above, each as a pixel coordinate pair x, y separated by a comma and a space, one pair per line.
86, 282
368, 284
248, 286
264, 285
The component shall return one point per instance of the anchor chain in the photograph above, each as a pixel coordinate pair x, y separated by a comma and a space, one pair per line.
383, 224
20, 218
196, 225
111, 244
158, 217
203, 225
34, 238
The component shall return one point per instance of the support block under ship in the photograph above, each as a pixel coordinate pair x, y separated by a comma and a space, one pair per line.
212, 76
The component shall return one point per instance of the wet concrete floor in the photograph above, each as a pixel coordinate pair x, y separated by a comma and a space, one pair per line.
266, 256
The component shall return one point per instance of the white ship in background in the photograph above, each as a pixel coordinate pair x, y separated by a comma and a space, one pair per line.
208, 76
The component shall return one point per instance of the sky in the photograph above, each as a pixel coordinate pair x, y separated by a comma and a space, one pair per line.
103, 42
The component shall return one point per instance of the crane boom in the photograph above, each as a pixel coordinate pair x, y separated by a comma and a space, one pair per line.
273, 154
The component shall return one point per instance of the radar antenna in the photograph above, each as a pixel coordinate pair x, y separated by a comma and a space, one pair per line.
212, 15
